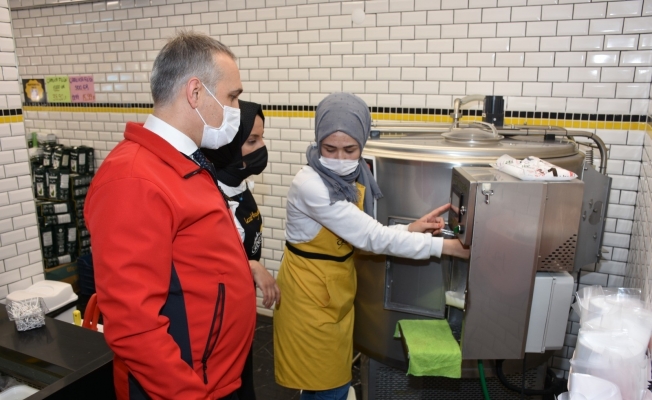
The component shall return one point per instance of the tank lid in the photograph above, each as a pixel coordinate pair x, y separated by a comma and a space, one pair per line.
434, 147
472, 135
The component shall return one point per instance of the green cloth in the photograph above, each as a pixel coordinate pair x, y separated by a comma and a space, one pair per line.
432, 349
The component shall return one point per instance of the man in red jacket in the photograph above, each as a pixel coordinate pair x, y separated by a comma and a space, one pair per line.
173, 281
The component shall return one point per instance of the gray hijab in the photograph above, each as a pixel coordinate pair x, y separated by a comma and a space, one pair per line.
344, 112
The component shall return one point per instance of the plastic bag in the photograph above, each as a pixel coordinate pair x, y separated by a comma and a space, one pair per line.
594, 301
629, 375
6, 382
532, 169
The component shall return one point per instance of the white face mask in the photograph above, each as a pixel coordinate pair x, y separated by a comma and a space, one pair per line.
214, 138
340, 167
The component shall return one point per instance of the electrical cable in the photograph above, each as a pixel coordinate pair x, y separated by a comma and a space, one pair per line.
557, 384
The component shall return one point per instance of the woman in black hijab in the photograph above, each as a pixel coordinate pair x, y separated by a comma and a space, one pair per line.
246, 155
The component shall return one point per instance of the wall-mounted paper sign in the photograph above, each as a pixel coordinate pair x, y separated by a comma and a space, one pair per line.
58, 88
34, 90
82, 89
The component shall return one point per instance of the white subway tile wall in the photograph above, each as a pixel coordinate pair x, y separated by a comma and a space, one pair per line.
558, 56
21, 262
639, 256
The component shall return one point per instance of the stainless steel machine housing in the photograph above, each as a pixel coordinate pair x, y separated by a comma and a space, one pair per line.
414, 172
514, 228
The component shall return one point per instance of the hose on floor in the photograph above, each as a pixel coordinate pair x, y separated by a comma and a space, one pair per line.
483, 381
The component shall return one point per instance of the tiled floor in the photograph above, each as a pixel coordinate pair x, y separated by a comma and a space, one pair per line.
265, 386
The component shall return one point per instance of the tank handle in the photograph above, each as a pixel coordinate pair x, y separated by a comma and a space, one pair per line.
493, 128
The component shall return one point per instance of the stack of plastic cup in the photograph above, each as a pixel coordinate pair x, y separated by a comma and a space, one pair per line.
615, 329
595, 301
571, 396
593, 387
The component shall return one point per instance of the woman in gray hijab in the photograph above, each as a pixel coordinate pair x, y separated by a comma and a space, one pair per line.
329, 213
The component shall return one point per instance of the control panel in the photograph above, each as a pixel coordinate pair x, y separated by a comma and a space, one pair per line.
460, 215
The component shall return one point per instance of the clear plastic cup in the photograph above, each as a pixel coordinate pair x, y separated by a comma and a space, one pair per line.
597, 345
629, 375
594, 301
634, 323
592, 387
571, 396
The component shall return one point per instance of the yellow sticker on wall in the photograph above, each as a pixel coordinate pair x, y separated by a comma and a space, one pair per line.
58, 89
34, 90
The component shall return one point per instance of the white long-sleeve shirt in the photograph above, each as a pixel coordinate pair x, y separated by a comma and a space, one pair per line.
233, 205
309, 208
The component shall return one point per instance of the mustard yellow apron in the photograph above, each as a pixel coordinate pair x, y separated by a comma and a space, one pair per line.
313, 325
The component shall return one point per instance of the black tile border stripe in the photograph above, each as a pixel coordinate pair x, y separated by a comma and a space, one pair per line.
11, 112
385, 110
88, 105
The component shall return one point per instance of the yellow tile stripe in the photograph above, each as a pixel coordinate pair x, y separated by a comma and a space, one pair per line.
574, 124
578, 124
120, 110
289, 114
8, 119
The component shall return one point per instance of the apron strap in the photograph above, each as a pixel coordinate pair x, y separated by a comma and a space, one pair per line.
317, 256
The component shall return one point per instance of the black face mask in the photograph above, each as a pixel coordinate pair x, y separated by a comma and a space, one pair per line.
255, 162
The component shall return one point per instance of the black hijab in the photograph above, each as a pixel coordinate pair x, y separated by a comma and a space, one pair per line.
228, 159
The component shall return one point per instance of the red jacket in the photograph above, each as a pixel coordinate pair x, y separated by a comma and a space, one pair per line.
173, 280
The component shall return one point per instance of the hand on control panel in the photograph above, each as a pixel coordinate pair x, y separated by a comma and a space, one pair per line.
431, 222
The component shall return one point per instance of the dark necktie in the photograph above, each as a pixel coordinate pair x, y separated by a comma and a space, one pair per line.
203, 162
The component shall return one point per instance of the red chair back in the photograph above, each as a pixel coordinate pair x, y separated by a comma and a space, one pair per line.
92, 314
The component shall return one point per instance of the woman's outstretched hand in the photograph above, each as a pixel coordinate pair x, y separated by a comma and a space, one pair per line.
431, 222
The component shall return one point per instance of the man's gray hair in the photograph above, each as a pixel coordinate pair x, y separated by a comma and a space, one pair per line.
187, 54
